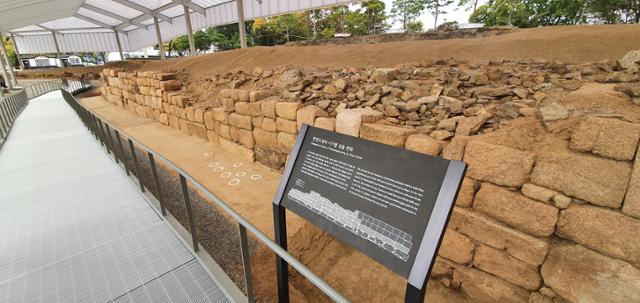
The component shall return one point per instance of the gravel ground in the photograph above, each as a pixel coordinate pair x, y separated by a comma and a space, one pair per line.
216, 233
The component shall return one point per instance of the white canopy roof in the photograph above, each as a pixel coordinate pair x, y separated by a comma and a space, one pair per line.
89, 25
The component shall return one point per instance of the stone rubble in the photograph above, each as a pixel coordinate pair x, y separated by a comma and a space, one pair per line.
531, 223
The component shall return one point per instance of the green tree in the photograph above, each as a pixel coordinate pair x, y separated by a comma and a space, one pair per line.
407, 11
469, 5
415, 27
201, 41
375, 19
436, 8
11, 52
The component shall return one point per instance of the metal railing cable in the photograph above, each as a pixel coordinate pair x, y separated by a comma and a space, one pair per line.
99, 128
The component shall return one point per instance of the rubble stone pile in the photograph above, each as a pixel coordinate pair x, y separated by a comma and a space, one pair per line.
550, 208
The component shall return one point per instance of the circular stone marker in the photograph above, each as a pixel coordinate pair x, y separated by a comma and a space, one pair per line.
256, 177
225, 175
237, 164
241, 174
208, 154
234, 182
214, 164
218, 169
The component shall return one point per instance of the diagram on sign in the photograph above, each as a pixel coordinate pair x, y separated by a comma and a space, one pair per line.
384, 235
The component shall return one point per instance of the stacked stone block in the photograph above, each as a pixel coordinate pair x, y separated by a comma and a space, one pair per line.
528, 225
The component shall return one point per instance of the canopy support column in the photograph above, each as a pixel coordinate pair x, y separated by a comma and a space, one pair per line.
5, 76
15, 47
187, 17
55, 42
241, 26
5, 56
115, 32
159, 36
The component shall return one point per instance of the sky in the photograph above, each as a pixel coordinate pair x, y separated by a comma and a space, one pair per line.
454, 13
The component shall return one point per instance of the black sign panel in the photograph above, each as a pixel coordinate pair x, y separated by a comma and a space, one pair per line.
377, 198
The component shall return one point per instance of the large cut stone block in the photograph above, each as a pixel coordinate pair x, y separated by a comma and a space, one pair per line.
530, 216
241, 121
586, 177
307, 115
607, 137
497, 164
348, 121
386, 134
579, 274
485, 288
423, 144
602, 230
286, 125
507, 267
631, 205
287, 110
265, 139
495, 234
456, 247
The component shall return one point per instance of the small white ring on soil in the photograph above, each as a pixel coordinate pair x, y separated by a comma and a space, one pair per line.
237, 164
234, 182
214, 164
256, 177
241, 174
219, 168
225, 175
208, 154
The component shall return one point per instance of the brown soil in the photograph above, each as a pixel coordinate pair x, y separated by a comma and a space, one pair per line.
563, 43
324, 255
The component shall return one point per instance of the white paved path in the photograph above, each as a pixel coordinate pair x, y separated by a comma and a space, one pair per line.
73, 228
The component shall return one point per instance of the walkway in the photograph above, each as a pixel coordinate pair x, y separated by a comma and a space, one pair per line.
73, 228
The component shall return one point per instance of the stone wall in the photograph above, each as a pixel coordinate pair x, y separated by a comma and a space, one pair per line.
543, 215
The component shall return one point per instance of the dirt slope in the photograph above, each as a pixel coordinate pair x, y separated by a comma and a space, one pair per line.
563, 43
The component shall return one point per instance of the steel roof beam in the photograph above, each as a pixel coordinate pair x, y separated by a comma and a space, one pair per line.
144, 10
96, 22
107, 13
194, 6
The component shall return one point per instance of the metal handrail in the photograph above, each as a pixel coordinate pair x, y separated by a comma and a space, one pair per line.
95, 125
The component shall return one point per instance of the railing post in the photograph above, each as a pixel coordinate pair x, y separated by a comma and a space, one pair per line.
124, 162
156, 182
135, 164
98, 129
4, 120
246, 262
187, 204
104, 135
110, 139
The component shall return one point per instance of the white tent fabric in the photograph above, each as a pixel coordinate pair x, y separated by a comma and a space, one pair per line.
89, 25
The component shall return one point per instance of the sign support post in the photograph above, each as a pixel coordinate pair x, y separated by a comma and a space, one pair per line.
391, 204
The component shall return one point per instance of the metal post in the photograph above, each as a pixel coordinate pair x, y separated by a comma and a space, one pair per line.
282, 267
5, 76
15, 47
135, 165
187, 204
159, 38
156, 182
115, 32
55, 41
246, 262
110, 139
187, 18
99, 129
5, 122
124, 162
104, 136
241, 26
5, 54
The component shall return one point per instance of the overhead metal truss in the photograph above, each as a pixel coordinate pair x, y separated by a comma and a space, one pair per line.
133, 20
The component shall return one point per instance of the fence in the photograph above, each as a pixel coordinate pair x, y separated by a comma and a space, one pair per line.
103, 130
